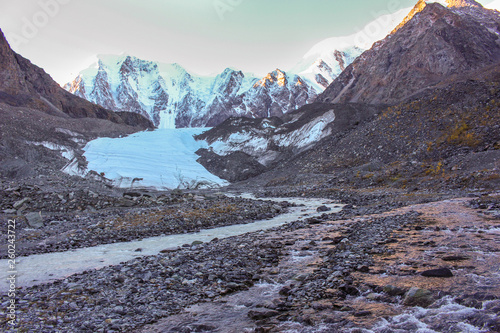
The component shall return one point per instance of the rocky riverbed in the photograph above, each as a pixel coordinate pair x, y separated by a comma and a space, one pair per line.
432, 266
56, 222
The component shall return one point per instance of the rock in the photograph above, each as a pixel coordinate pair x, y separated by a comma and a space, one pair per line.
285, 291
123, 202
20, 203
9, 211
418, 297
262, 314
198, 198
439, 272
34, 220
363, 268
362, 313
132, 194
454, 258
323, 209
349, 290
393, 291
301, 277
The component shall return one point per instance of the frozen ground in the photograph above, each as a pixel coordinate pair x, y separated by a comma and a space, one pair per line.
164, 159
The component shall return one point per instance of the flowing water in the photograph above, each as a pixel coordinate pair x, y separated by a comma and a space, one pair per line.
43, 268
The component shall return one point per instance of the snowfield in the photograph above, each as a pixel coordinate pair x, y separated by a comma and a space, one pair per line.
162, 159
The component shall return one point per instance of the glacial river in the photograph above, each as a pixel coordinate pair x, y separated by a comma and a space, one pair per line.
42, 268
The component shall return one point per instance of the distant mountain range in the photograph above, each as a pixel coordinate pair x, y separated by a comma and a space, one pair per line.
421, 102
170, 96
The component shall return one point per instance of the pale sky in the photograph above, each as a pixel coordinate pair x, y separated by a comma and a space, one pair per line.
204, 36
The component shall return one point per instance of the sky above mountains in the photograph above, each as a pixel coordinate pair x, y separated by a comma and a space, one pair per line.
205, 36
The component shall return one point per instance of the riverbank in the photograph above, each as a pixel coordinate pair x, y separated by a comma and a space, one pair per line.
355, 274
53, 266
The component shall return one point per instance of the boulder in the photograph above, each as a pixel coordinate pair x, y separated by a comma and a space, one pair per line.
34, 220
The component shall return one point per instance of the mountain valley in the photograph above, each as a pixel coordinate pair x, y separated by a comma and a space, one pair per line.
380, 162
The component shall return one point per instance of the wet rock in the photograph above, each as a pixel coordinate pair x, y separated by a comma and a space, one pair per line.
323, 209
262, 314
418, 297
34, 220
439, 272
285, 291
301, 277
394, 291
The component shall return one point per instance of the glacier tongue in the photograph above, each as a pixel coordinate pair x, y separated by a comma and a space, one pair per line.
162, 159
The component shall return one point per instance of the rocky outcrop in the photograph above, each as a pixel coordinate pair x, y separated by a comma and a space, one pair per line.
261, 143
24, 84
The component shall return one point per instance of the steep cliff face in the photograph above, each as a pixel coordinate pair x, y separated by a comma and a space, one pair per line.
171, 97
434, 43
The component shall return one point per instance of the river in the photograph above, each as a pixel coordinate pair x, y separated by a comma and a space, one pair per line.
43, 268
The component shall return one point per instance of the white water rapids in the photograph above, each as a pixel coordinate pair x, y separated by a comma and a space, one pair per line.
42, 268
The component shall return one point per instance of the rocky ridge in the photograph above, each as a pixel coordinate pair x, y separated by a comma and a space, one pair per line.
435, 43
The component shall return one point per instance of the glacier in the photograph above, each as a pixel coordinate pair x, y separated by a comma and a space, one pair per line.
160, 159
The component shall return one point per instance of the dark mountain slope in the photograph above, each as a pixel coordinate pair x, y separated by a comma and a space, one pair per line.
36, 113
435, 43
24, 84
435, 86
445, 135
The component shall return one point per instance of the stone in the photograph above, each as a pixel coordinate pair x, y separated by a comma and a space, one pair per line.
363, 268
362, 313
439, 272
20, 203
198, 198
454, 258
323, 209
123, 202
34, 220
301, 277
418, 297
393, 290
262, 314
349, 290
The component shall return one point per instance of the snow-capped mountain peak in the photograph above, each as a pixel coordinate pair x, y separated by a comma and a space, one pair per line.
170, 96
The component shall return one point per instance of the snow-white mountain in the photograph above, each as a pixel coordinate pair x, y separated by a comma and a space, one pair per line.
172, 97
